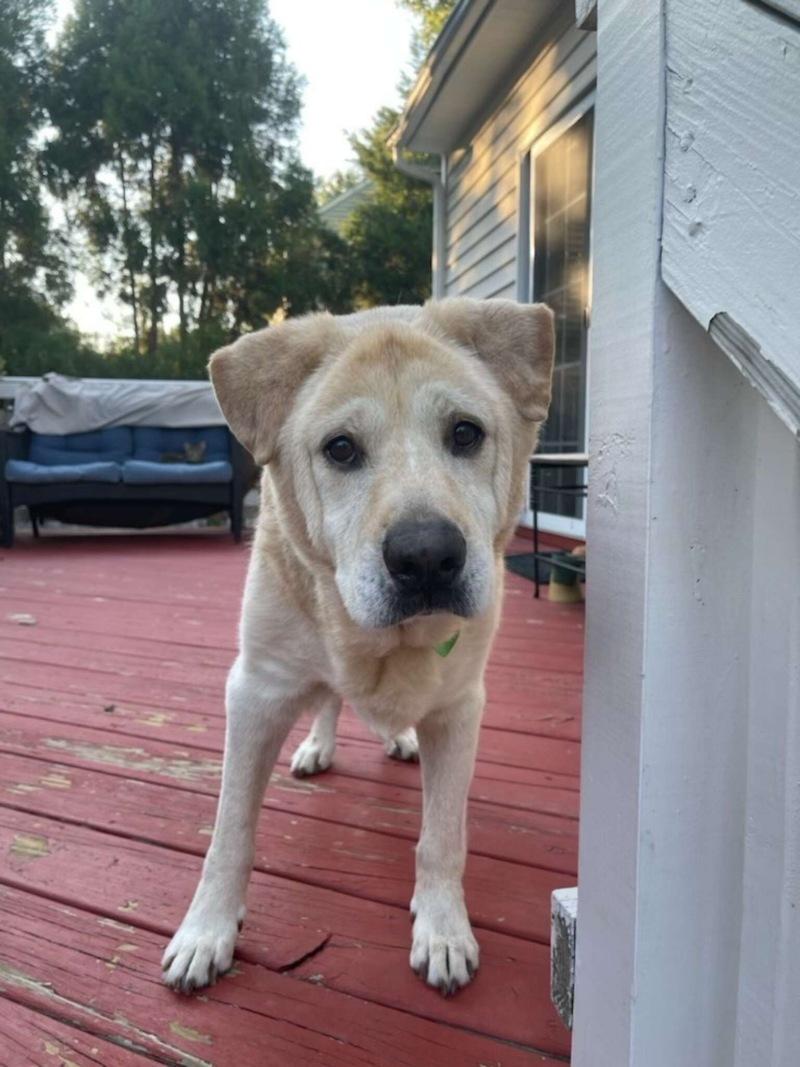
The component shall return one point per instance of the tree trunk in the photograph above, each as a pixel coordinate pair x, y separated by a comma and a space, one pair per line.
129, 265
177, 203
204, 297
152, 335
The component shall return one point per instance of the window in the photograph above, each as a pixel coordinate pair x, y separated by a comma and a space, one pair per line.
561, 181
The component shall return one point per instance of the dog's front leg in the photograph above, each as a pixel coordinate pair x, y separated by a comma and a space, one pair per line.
444, 951
260, 712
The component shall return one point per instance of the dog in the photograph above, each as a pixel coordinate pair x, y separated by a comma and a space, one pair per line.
395, 444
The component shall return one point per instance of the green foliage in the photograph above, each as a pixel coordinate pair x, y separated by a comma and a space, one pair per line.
40, 343
35, 339
341, 181
431, 16
389, 235
167, 132
23, 222
31, 264
175, 129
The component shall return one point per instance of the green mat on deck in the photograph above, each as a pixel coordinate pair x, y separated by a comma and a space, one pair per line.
524, 563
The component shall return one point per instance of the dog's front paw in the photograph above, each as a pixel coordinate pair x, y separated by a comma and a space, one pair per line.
404, 747
201, 950
312, 756
443, 952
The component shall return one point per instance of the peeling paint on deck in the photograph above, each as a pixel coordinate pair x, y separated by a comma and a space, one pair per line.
138, 1040
53, 1050
190, 1034
137, 759
29, 846
56, 780
155, 718
296, 785
116, 925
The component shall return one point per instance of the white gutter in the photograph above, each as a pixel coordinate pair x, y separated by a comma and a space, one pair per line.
438, 182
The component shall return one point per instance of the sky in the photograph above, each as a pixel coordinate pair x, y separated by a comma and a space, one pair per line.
351, 55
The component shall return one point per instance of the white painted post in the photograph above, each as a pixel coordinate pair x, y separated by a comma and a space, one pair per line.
626, 214
690, 792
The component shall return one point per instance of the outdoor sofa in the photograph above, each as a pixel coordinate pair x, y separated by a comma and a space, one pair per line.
128, 476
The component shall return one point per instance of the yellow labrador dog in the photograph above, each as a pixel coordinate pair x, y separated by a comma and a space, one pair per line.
395, 444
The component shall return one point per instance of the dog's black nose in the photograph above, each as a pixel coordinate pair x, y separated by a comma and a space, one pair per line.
424, 555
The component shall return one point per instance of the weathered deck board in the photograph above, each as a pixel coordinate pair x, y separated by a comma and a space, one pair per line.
137, 808
500, 895
28, 1037
111, 730
106, 689
103, 975
551, 711
359, 946
187, 761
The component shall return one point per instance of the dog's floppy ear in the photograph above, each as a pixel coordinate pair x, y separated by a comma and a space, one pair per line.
256, 378
516, 341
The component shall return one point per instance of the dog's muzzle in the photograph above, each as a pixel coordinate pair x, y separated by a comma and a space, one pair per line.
425, 559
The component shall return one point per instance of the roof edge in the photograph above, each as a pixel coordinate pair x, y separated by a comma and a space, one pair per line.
464, 21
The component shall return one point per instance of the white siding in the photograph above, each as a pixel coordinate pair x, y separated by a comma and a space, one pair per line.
688, 944
482, 193
731, 239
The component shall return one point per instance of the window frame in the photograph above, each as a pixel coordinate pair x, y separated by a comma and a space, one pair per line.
526, 252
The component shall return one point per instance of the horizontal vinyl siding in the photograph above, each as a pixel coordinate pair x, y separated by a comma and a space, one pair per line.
482, 194
494, 257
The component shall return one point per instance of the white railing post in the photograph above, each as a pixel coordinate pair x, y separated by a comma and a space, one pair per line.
681, 618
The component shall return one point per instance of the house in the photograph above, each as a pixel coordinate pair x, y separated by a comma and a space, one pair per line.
506, 103
648, 170
336, 211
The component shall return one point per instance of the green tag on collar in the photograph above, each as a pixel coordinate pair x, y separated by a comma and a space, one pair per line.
446, 647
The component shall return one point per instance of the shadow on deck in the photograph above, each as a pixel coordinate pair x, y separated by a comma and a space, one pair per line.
113, 655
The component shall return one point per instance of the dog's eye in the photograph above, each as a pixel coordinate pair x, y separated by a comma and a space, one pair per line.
466, 437
342, 451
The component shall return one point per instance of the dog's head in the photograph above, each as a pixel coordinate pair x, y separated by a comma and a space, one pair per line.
400, 437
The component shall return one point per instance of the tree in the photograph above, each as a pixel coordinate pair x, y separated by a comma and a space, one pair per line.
431, 16
341, 181
32, 273
175, 141
390, 235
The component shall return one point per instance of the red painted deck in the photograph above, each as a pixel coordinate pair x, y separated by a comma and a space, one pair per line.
111, 725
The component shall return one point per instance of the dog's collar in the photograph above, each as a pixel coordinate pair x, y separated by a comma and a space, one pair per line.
446, 647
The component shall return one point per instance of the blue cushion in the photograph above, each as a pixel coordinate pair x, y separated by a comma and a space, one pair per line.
143, 472
151, 442
22, 470
110, 445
